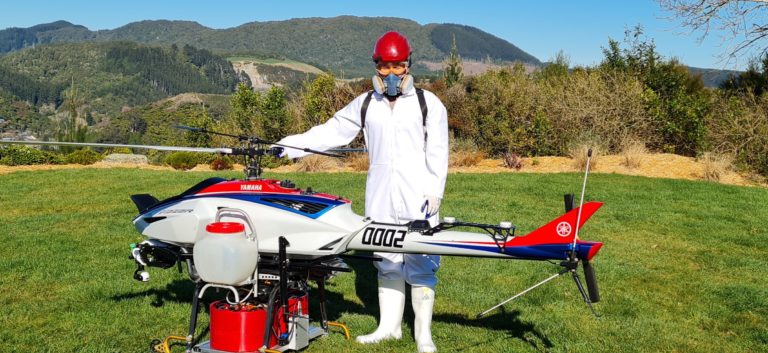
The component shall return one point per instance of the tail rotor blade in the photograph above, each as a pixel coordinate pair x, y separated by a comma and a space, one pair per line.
589, 276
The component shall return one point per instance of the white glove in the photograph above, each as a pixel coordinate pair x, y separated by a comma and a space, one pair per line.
431, 206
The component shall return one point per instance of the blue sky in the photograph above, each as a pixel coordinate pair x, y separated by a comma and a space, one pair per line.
542, 28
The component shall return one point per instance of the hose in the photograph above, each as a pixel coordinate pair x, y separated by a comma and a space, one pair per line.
270, 316
342, 326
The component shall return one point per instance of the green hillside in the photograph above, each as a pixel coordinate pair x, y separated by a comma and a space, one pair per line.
59, 31
339, 43
475, 43
713, 77
112, 74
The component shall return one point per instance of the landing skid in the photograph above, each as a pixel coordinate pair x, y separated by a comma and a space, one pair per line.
297, 341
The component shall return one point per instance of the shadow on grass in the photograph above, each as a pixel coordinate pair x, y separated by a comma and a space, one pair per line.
181, 292
507, 322
178, 291
366, 288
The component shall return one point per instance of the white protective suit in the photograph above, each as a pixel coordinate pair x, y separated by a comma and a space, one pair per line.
402, 171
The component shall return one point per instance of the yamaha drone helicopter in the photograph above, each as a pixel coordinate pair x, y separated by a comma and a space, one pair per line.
262, 242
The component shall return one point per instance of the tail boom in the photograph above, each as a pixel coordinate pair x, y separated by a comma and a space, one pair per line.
553, 241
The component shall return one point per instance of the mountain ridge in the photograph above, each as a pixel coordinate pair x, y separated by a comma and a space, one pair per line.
341, 43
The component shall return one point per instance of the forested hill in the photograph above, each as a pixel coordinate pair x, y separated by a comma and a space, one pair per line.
112, 74
713, 77
339, 44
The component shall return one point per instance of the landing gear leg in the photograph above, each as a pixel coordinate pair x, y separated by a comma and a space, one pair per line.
583, 292
193, 318
569, 266
323, 312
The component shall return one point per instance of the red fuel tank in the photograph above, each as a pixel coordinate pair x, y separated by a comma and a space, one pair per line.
240, 328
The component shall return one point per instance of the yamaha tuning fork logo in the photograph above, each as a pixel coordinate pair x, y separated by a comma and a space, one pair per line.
564, 229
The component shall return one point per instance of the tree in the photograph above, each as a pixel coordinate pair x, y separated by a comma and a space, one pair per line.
557, 67
245, 107
754, 80
203, 120
679, 104
743, 21
274, 113
319, 100
453, 69
72, 130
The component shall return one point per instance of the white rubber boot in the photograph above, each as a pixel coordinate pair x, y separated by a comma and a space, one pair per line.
391, 305
423, 300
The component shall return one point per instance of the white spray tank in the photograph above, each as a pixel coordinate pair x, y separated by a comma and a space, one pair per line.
225, 255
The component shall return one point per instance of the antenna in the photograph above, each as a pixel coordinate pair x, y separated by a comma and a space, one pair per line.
581, 203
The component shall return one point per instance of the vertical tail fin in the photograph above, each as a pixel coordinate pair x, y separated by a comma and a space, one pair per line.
560, 230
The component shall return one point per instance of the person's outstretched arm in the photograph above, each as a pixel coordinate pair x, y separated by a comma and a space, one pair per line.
339, 130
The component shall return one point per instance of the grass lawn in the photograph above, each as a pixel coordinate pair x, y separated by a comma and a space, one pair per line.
683, 268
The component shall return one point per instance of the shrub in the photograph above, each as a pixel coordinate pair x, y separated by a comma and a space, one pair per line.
738, 127
498, 112
632, 152
53, 158
604, 105
221, 163
122, 150
273, 162
157, 157
23, 155
715, 166
182, 160
511, 110
512, 161
678, 104
578, 152
206, 158
316, 163
465, 158
84, 157
464, 153
358, 161
680, 120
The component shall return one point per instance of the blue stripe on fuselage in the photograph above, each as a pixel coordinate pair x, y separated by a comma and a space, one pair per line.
535, 252
330, 203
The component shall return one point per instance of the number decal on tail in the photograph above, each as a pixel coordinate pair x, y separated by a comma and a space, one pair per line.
391, 238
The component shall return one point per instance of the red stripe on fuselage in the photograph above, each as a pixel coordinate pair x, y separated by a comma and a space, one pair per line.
262, 186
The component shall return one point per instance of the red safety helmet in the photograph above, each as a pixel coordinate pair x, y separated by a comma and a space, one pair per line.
392, 47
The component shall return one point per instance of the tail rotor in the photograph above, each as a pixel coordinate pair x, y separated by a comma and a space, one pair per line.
589, 276
578, 255
589, 271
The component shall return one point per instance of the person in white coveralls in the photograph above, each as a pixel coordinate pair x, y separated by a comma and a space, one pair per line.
406, 132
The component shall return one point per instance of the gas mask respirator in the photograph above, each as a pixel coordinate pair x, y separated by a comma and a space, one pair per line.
392, 85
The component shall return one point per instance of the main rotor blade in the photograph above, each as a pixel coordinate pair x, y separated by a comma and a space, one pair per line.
347, 150
308, 150
255, 139
148, 147
206, 131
